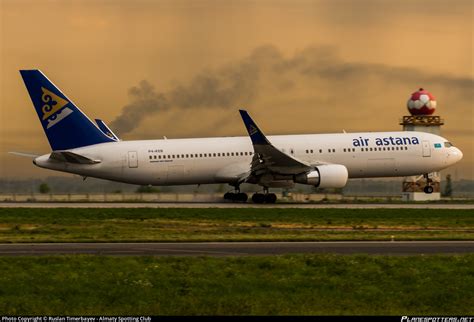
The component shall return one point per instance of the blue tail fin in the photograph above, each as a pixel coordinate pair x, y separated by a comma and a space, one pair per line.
63, 122
106, 130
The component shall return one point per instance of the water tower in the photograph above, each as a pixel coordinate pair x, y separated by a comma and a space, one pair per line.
422, 105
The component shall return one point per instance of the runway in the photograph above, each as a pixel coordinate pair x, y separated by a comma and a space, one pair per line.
228, 205
240, 248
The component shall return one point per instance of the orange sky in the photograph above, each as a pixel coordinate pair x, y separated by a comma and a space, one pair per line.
297, 66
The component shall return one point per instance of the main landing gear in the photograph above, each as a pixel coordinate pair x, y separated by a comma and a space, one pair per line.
428, 188
264, 197
236, 196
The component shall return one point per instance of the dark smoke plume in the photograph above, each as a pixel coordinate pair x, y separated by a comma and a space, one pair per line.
267, 73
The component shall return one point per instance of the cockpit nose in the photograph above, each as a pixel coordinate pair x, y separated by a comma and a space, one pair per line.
455, 155
460, 155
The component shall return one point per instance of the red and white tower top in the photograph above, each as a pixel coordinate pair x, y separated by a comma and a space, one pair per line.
421, 102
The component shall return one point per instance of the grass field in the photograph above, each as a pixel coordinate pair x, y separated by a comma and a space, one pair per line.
278, 285
146, 224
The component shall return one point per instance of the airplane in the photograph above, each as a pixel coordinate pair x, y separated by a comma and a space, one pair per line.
89, 149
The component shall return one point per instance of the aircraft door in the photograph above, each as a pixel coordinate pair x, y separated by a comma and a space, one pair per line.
132, 159
426, 148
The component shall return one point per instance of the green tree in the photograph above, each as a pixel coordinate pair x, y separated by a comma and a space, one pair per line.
44, 188
448, 189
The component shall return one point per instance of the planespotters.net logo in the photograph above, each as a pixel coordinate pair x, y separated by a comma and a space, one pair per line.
437, 319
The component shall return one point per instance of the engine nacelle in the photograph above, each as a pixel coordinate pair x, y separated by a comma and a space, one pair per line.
325, 176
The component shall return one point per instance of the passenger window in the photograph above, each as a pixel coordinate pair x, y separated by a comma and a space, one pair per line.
320, 151
329, 150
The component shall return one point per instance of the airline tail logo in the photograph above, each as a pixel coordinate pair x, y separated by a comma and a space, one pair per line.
252, 129
53, 108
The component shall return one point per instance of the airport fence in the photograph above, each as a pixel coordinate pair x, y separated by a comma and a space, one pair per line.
198, 197
168, 197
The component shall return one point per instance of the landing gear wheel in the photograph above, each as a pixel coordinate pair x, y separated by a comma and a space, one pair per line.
270, 198
258, 198
428, 189
242, 197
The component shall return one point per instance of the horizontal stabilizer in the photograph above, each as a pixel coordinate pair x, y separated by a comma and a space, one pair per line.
66, 156
106, 130
25, 154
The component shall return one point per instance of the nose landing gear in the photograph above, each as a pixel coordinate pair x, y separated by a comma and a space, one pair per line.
428, 189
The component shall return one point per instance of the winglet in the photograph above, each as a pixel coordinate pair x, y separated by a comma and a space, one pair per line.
257, 136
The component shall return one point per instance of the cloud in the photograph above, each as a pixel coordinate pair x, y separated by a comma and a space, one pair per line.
317, 73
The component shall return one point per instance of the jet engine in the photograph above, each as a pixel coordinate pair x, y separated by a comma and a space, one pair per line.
325, 176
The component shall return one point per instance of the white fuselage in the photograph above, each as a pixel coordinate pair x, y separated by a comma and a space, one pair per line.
223, 159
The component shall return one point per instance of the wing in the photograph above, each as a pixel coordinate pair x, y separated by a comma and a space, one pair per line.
267, 158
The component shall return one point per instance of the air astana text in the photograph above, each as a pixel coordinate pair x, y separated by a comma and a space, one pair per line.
386, 141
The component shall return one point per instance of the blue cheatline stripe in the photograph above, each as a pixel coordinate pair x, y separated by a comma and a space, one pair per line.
65, 125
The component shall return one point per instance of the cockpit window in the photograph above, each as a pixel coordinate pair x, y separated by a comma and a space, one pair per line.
448, 144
